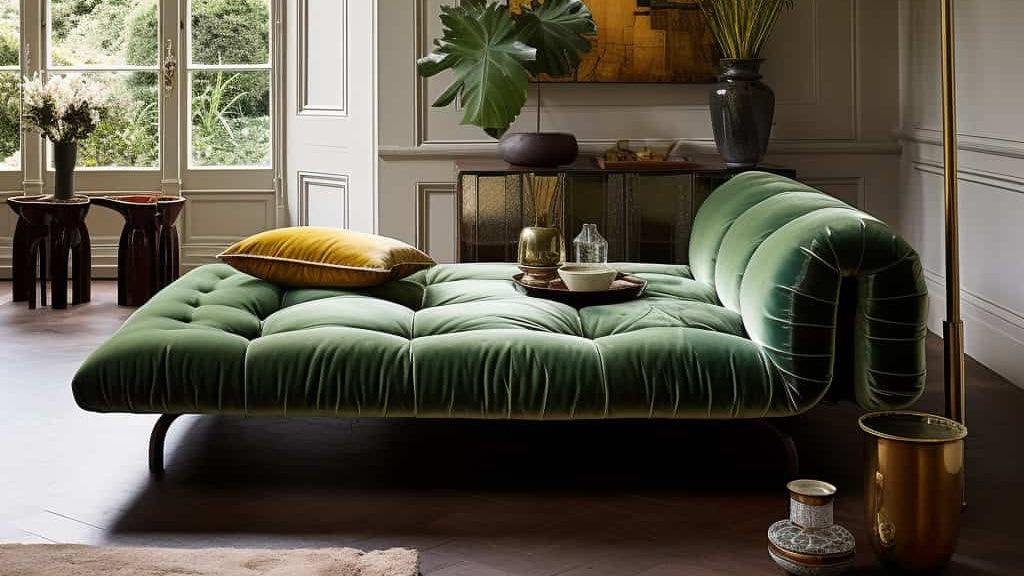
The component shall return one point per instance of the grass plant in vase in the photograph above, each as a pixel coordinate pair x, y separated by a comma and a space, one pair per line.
542, 246
742, 107
65, 109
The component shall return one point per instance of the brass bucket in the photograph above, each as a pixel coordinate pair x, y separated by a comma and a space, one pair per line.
913, 488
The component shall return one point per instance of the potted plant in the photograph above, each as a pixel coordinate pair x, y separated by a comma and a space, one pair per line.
492, 50
742, 107
65, 109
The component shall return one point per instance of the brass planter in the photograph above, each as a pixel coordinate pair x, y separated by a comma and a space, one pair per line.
913, 485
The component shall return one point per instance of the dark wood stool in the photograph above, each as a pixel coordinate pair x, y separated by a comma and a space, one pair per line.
58, 228
148, 252
28, 254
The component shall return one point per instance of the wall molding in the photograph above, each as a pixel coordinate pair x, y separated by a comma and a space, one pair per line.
453, 150
337, 181
1004, 147
424, 190
974, 175
994, 333
304, 106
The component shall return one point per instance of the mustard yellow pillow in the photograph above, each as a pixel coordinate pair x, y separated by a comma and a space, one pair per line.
324, 257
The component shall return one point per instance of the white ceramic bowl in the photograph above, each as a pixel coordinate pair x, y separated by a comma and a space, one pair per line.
587, 277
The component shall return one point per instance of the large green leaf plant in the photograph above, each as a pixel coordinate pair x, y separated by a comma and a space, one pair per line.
492, 51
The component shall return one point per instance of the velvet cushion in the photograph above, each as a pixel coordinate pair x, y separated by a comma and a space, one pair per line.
307, 257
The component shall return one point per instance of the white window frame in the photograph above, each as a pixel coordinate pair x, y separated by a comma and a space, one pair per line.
12, 179
173, 175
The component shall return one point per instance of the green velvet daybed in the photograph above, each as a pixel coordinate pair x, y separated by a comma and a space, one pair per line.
790, 296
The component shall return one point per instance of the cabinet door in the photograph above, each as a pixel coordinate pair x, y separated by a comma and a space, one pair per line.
597, 199
660, 214
492, 214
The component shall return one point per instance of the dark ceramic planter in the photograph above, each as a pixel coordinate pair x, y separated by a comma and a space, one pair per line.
540, 149
65, 156
742, 111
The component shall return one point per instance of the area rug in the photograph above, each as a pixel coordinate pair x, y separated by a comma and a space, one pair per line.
68, 560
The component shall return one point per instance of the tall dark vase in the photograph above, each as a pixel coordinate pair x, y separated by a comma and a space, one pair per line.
742, 110
65, 156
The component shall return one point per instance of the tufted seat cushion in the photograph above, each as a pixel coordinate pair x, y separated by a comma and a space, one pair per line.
452, 341
779, 270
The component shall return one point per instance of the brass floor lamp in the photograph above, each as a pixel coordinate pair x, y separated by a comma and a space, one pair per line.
953, 327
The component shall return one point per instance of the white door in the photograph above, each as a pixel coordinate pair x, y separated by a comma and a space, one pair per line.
331, 134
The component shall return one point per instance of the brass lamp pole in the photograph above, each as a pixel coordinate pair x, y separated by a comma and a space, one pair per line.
953, 327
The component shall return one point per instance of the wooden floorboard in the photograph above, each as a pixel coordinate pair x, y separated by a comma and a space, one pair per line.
476, 498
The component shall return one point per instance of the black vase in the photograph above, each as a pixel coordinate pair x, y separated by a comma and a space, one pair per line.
65, 157
742, 110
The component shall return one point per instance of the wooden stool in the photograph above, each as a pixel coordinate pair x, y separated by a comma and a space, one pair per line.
147, 254
28, 254
61, 224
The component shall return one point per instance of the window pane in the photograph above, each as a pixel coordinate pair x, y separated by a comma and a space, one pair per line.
10, 85
128, 134
103, 32
10, 121
10, 33
230, 118
230, 31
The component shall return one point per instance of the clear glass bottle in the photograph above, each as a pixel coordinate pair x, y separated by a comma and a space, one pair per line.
590, 247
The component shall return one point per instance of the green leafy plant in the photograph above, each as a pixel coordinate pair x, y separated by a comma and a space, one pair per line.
492, 50
742, 27
221, 133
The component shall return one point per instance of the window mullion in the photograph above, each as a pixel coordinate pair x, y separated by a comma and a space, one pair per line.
168, 62
33, 53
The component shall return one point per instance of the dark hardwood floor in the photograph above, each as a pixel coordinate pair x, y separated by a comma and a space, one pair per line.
476, 498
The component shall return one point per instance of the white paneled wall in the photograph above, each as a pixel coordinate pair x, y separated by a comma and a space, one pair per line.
832, 63
991, 130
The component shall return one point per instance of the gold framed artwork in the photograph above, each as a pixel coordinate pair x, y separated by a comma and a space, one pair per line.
646, 41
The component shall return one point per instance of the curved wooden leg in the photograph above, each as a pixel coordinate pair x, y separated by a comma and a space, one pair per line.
81, 267
156, 443
44, 267
21, 260
60, 248
792, 454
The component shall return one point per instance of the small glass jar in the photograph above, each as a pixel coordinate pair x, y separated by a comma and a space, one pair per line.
590, 247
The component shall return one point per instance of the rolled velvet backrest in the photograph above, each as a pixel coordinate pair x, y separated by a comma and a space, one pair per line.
779, 252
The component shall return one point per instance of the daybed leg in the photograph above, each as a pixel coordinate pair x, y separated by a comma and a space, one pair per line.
156, 444
792, 455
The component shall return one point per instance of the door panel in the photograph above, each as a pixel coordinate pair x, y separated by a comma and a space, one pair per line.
331, 142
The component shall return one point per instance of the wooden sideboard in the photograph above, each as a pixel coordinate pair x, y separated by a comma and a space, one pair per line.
646, 215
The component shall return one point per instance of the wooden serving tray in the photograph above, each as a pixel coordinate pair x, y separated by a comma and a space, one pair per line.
643, 164
623, 289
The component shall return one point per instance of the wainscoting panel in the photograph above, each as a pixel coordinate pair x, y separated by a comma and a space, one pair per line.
848, 189
436, 220
322, 80
323, 199
214, 220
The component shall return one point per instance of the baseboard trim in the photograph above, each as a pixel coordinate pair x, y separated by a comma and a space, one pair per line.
994, 335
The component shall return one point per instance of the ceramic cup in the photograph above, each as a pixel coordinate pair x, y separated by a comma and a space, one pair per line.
587, 277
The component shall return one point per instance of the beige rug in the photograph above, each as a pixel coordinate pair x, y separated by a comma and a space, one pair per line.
66, 560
